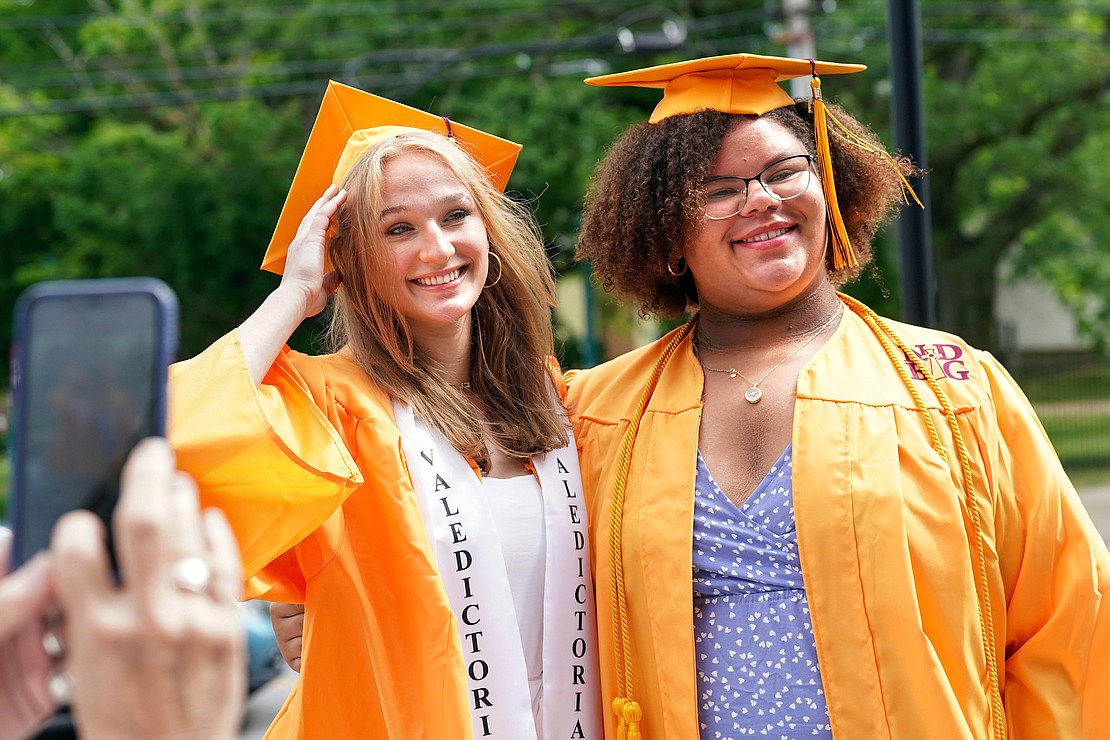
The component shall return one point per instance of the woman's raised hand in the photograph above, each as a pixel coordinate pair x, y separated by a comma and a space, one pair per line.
305, 263
304, 290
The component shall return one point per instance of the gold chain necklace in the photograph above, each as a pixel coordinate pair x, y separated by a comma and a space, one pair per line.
754, 394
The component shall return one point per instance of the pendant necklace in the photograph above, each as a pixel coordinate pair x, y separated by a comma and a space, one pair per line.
754, 394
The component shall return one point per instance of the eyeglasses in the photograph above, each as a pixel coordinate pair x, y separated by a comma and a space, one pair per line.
783, 179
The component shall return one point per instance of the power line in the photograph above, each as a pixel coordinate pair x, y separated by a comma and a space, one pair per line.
225, 78
1007, 36
67, 76
315, 86
1032, 9
113, 67
264, 13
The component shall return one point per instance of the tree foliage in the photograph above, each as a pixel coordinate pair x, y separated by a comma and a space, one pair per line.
158, 136
1018, 165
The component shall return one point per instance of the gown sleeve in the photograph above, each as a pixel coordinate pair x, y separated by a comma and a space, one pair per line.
1057, 577
271, 456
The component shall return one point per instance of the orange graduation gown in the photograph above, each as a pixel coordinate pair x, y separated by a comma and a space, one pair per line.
309, 469
884, 551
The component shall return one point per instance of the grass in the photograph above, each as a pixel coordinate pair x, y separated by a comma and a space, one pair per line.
1079, 380
1071, 393
1083, 443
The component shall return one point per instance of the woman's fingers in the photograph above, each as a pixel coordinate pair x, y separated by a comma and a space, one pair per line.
25, 600
305, 261
314, 226
24, 700
82, 572
160, 653
226, 571
288, 622
324, 206
5, 550
143, 522
186, 538
23, 595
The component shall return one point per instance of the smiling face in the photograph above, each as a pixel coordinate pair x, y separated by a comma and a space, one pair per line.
772, 252
436, 246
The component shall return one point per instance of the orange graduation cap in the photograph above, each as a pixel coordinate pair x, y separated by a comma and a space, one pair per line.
748, 83
349, 122
733, 83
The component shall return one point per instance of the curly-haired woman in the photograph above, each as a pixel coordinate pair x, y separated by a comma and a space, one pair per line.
882, 540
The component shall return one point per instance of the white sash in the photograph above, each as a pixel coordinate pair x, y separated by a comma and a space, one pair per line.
470, 561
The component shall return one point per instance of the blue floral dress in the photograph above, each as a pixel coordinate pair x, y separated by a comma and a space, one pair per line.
753, 638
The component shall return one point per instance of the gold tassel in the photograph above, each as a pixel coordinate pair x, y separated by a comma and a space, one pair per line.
907, 189
843, 254
618, 709
633, 714
890, 341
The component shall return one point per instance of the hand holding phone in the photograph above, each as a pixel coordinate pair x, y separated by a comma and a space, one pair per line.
88, 382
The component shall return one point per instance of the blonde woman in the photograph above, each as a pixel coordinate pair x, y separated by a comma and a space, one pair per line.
416, 488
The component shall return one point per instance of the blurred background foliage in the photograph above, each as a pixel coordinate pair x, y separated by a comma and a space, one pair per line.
158, 137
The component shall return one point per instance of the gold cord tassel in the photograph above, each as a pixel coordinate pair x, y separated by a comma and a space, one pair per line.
843, 254
627, 710
618, 710
633, 714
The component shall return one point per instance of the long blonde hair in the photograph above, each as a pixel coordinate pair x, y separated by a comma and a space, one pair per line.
511, 335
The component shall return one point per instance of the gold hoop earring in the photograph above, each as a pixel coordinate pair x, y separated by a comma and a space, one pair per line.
680, 270
500, 269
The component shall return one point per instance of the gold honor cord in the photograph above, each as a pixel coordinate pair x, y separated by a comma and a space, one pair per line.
627, 710
890, 340
625, 707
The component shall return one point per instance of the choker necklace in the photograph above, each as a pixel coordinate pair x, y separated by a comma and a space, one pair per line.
754, 394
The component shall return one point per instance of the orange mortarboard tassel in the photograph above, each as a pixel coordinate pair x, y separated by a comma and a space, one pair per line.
843, 254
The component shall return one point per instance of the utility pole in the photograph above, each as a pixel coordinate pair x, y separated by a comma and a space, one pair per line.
916, 281
799, 41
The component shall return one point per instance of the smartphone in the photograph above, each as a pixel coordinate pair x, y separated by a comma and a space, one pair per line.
89, 363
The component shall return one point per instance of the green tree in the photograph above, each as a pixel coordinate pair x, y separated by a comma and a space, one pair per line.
1017, 129
158, 136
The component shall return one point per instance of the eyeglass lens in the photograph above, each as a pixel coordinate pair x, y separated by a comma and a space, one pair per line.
724, 197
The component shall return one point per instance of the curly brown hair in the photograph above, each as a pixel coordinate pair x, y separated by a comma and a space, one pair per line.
643, 202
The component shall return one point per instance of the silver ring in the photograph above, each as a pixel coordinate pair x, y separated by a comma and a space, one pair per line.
59, 685
52, 643
191, 574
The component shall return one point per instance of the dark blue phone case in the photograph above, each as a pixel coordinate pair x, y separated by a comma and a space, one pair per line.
102, 361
